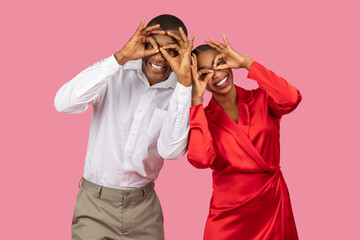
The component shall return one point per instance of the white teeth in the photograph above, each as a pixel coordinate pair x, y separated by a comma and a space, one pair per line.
156, 66
221, 82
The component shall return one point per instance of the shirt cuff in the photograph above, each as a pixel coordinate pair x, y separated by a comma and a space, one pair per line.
183, 94
110, 64
197, 116
196, 108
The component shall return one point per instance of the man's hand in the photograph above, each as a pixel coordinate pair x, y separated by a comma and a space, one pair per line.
180, 64
199, 81
135, 48
228, 57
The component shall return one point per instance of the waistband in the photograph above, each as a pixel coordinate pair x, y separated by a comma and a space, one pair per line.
102, 191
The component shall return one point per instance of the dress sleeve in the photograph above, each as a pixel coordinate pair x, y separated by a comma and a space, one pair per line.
201, 151
283, 97
86, 87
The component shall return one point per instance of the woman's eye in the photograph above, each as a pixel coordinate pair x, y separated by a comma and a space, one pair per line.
150, 45
202, 76
169, 50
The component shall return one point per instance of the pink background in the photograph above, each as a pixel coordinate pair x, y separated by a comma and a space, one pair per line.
312, 44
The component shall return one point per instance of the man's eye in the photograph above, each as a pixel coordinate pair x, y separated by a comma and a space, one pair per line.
172, 52
148, 45
219, 63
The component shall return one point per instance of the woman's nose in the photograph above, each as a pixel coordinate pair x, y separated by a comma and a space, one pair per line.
216, 74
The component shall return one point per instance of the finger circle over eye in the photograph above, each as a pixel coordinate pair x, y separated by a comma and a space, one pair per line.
152, 41
172, 46
216, 59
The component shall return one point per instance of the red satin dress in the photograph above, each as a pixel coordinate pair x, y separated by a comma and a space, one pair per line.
250, 198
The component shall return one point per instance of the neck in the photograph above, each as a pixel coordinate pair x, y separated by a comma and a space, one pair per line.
227, 100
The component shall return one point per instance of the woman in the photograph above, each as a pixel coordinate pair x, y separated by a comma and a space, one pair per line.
237, 136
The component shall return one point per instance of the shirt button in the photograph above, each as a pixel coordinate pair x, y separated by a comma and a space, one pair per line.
182, 94
133, 133
140, 110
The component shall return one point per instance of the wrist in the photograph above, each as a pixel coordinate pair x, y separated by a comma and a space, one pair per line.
247, 63
185, 80
120, 58
196, 101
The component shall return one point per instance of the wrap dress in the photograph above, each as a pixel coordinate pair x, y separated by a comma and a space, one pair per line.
250, 198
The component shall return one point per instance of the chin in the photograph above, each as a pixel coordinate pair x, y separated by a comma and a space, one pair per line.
222, 85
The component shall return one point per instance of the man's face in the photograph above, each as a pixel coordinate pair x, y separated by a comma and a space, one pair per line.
155, 67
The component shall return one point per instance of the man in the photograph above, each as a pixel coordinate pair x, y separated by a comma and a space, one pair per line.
140, 117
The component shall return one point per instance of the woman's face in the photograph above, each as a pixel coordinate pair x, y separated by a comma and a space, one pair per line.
222, 80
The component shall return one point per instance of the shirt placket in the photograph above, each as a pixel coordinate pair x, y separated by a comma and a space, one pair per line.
131, 141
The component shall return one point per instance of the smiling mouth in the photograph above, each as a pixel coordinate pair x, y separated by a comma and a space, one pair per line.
156, 66
221, 82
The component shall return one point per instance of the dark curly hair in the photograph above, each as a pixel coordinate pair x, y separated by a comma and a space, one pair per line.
168, 22
202, 48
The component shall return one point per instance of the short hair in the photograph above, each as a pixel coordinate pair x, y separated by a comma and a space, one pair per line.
168, 22
201, 48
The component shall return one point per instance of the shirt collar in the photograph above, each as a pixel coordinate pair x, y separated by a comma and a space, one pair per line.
137, 65
244, 95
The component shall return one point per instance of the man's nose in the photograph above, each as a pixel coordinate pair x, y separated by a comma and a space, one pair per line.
159, 57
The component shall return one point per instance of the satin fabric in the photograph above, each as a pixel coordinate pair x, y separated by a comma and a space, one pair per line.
250, 198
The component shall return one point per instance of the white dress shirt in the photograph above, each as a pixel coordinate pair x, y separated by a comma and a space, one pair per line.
134, 126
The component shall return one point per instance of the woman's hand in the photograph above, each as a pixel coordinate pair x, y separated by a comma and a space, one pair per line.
180, 63
135, 48
228, 57
199, 81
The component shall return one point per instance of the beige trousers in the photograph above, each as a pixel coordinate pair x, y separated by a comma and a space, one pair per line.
107, 213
